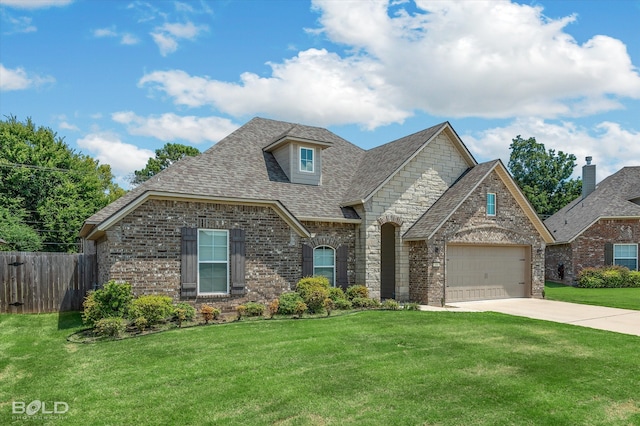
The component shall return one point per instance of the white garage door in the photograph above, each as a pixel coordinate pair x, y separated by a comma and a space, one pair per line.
486, 272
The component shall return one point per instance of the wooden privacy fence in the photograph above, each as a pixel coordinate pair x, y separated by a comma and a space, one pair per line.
44, 282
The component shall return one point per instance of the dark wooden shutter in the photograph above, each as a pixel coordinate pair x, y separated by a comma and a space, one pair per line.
238, 253
608, 254
189, 263
307, 260
341, 267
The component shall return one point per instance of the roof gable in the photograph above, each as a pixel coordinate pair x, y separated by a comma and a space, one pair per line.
614, 197
460, 191
380, 164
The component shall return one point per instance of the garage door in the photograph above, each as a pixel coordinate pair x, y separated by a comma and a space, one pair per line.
486, 272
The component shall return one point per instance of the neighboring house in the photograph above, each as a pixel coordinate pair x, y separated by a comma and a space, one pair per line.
415, 219
601, 227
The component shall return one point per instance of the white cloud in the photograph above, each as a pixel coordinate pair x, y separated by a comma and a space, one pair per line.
315, 87
123, 158
19, 79
611, 146
167, 35
17, 25
169, 127
111, 32
490, 59
34, 4
66, 126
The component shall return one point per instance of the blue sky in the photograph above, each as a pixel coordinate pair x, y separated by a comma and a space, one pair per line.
119, 79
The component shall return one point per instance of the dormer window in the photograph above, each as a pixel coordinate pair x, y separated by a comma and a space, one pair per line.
306, 160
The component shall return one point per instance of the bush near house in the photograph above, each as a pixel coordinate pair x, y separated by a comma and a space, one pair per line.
314, 291
608, 277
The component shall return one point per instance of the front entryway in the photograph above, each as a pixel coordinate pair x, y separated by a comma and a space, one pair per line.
388, 261
480, 272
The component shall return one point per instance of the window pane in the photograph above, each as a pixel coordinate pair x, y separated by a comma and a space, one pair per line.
213, 278
205, 253
206, 238
491, 204
327, 272
220, 239
632, 264
625, 250
323, 256
306, 159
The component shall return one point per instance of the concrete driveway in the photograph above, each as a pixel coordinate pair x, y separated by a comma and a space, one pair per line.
619, 320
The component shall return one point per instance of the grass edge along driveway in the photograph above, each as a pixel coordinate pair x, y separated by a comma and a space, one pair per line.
369, 368
623, 298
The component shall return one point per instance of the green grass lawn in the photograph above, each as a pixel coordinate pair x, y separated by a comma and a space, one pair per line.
625, 298
369, 368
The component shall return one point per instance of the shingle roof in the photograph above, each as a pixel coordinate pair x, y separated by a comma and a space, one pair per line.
381, 162
449, 201
237, 167
611, 198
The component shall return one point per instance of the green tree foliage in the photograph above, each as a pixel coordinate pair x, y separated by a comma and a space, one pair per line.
17, 235
165, 156
50, 186
543, 176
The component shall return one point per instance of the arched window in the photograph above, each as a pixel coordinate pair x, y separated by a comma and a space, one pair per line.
324, 263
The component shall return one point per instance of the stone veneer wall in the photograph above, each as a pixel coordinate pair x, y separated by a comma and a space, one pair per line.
470, 224
406, 197
144, 248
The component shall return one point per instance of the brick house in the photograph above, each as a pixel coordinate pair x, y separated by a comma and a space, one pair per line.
601, 227
415, 219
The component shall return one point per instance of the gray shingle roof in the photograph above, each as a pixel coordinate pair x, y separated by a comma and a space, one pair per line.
449, 201
381, 162
611, 198
237, 167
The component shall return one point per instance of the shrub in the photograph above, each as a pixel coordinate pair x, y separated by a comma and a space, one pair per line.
242, 311
300, 308
287, 303
313, 290
391, 305
606, 277
273, 307
413, 306
357, 291
154, 308
634, 278
328, 305
112, 300
336, 293
209, 313
254, 309
183, 312
343, 304
186, 310
365, 303
110, 326
141, 323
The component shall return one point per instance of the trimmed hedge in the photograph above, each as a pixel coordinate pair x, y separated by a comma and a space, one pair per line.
608, 277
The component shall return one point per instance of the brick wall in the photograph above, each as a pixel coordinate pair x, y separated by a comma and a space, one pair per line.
144, 248
588, 249
470, 224
556, 255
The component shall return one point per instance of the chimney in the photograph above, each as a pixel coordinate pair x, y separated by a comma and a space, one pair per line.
588, 177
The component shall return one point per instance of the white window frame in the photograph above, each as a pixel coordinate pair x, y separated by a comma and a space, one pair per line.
494, 204
313, 159
333, 267
226, 262
626, 258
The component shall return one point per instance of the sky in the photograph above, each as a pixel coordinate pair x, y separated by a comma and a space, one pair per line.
118, 79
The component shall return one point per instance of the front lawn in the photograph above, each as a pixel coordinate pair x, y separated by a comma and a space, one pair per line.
368, 368
625, 298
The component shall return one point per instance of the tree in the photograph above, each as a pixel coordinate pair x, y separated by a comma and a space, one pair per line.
543, 176
165, 156
16, 235
50, 186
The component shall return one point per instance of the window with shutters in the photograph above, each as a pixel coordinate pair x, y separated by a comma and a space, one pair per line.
324, 263
213, 261
626, 255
